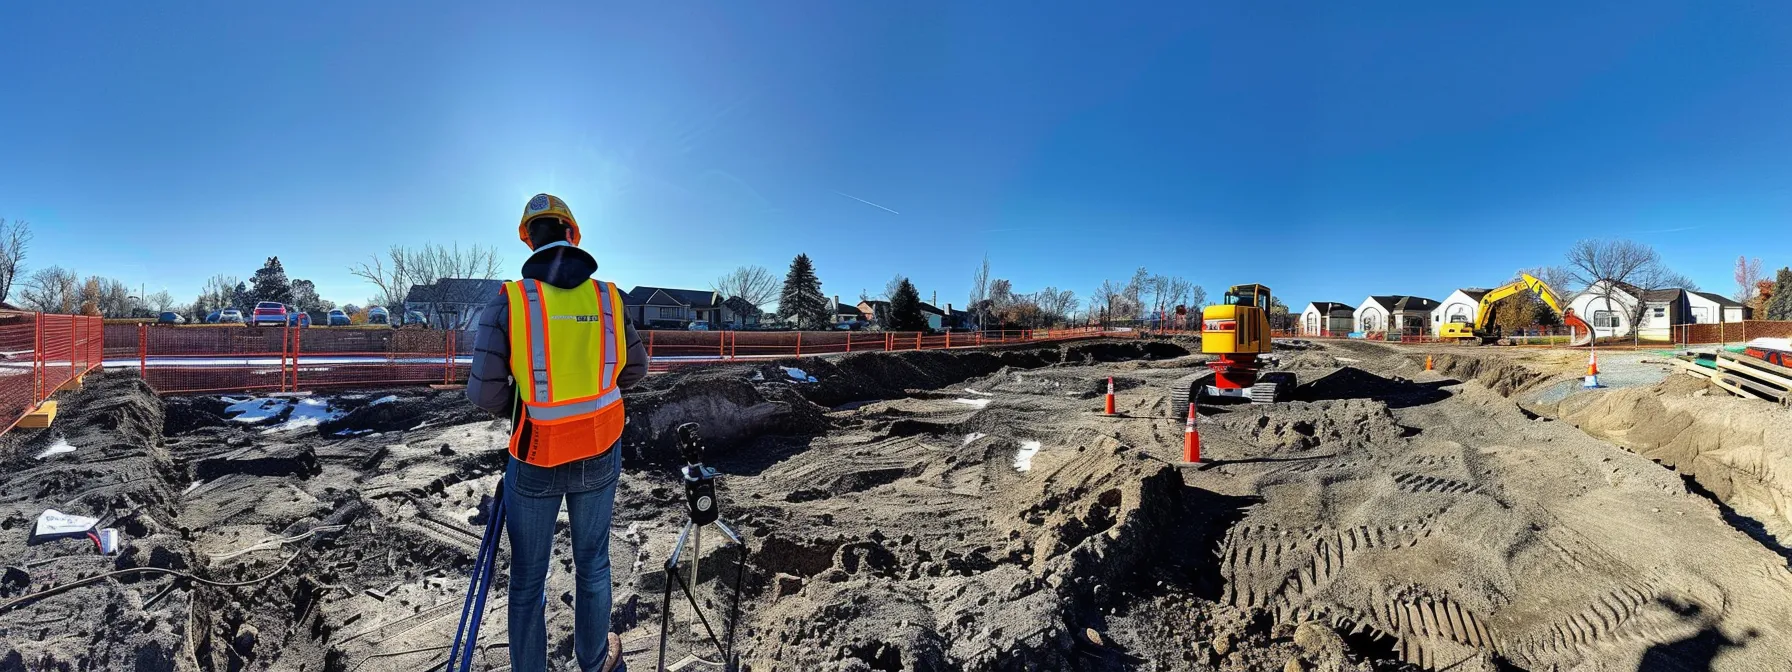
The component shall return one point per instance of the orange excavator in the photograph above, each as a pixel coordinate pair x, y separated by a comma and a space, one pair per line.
1485, 332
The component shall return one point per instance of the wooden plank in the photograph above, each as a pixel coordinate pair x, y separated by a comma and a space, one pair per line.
1756, 389
1695, 370
1722, 383
40, 418
1758, 369
447, 387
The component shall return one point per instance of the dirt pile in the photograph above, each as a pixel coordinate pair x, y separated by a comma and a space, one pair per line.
1739, 450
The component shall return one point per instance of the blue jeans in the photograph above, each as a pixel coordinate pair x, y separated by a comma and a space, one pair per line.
532, 501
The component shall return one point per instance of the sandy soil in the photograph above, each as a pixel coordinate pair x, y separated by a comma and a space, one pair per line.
942, 511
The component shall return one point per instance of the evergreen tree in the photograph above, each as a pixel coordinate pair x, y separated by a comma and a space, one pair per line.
905, 308
801, 302
1780, 306
271, 284
241, 299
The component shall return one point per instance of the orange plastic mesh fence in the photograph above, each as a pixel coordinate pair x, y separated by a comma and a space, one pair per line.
39, 354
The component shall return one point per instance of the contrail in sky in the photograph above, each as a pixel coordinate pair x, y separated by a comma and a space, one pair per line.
861, 200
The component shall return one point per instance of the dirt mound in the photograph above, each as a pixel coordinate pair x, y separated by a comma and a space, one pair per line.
1354, 383
1739, 450
1498, 374
1301, 426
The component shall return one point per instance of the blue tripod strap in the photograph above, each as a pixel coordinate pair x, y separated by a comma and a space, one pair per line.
472, 611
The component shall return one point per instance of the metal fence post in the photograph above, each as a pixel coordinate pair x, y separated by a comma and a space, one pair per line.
650, 344
799, 344
918, 340
37, 361
448, 361
143, 352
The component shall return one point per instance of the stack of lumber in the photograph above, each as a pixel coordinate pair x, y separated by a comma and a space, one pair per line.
1746, 377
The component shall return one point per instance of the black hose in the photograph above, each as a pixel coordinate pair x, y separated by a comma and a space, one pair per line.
63, 588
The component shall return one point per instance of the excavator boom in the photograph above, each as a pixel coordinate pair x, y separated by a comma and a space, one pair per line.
1525, 281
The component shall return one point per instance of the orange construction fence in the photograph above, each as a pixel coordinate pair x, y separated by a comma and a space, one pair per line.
39, 354
190, 360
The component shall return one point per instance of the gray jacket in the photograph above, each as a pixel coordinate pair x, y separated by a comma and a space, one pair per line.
489, 385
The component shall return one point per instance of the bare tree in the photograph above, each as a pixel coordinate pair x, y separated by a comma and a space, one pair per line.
752, 284
160, 301
404, 267
52, 290
1748, 280
1609, 268
14, 237
980, 290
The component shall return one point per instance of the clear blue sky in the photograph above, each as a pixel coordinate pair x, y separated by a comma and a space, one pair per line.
1330, 150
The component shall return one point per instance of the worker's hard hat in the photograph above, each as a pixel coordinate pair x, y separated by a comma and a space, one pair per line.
547, 205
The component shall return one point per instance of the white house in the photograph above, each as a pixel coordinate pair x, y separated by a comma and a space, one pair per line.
1327, 318
1708, 308
1462, 305
1396, 313
1610, 313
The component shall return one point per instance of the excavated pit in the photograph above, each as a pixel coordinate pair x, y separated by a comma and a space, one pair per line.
932, 511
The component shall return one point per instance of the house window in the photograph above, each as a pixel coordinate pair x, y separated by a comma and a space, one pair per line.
1605, 319
671, 313
1661, 311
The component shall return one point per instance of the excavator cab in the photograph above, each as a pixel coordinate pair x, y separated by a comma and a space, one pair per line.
1239, 324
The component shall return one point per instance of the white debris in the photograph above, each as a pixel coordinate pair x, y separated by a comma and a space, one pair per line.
797, 374
986, 394
1350, 360
979, 403
190, 488
1023, 460
972, 438
59, 447
308, 413
55, 523
253, 409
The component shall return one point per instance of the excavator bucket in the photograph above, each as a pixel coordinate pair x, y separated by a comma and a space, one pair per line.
1580, 331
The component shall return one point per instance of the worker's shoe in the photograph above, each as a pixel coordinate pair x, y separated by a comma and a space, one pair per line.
613, 659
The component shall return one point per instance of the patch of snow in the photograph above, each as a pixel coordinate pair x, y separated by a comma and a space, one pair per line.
1351, 360
308, 413
384, 400
253, 409
354, 432
59, 447
757, 376
797, 374
979, 403
986, 394
190, 488
1023, 460
972, 438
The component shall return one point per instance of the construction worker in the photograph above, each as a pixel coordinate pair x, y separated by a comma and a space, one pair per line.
563, 336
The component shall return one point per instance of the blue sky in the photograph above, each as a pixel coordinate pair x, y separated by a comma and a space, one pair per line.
1329, 150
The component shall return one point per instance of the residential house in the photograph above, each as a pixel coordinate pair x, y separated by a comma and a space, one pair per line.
936, 318
669, 308
1610, 312
451, 303
1397, 313
1708, 308
1327, 318
846, 314
875, 312
960, 320
1462, 305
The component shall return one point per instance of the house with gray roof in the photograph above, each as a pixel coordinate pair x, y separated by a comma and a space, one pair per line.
450, 303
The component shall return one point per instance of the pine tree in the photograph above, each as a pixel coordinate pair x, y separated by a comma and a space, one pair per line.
271, 284
241, 299
905, 308
801, 302
1780, 307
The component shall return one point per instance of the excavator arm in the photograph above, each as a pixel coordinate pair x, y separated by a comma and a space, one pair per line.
1544, 292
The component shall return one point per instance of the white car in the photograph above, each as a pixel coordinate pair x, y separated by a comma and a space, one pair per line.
699, 325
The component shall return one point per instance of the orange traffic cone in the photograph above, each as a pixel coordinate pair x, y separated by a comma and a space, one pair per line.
1592, 371
1191, 438
1427, 362
1110, 405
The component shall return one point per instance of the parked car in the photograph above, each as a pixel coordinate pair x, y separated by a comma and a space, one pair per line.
415, 318
170, 318
699, 325
269, 312
212, 317
298, 319
378, 315
337, 318
230, 316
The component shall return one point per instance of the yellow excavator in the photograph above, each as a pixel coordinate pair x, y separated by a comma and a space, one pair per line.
1485, 332
1237, 330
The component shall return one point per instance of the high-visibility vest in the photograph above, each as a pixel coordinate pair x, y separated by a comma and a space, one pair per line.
566, 352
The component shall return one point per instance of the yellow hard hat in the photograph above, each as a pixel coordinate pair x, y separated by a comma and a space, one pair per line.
547, 205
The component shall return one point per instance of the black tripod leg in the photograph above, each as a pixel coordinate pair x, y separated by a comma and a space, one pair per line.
713, 639
740, 572
666, 616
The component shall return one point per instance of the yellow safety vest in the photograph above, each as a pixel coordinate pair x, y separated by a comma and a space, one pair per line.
566, 351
